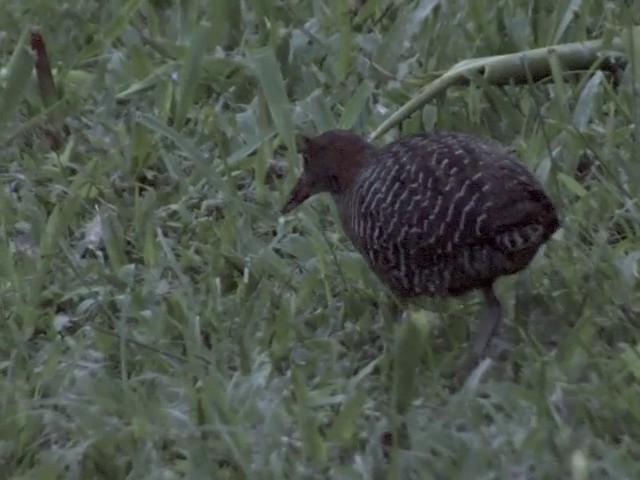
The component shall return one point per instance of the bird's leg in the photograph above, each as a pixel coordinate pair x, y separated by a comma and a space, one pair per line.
491, 320
492, 316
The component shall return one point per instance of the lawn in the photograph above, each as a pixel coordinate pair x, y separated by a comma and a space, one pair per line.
161, 320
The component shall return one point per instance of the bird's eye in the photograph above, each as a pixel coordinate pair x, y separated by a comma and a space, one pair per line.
334, 183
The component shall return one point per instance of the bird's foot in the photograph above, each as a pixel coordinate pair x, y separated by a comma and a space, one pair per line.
478, 349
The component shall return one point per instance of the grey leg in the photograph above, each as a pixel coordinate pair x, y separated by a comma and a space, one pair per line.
491, 320
492, 316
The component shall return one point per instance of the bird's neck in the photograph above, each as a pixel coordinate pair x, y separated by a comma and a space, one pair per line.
344, 202
353, 166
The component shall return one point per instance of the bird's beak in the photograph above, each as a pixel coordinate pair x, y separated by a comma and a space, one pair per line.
298, 195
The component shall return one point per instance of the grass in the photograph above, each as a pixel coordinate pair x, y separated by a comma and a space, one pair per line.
159, 320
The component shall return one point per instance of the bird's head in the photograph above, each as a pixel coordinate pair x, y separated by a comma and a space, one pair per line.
331, 163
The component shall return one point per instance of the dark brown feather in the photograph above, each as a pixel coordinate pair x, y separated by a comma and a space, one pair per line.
433, 213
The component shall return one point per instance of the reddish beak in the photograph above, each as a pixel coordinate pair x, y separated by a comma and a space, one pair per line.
297, 196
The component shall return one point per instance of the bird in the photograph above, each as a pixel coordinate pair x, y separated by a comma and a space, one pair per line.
434, 214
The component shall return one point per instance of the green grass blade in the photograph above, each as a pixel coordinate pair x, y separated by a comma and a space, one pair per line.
188, 149
573, 9
189, 75
356, 105
19, 70
273, 88
345, 425
409, 345
112, 31
140, 86
588, 101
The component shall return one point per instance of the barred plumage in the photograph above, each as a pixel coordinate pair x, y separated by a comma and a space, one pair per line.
435, 214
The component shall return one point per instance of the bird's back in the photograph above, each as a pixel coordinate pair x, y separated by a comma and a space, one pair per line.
445, 213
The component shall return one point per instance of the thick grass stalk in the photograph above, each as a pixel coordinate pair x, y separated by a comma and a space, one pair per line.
46, 84
517, 67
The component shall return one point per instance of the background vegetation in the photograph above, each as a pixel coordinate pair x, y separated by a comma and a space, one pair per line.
159, 320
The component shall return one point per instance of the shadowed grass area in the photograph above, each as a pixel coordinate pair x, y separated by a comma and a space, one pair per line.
160, 320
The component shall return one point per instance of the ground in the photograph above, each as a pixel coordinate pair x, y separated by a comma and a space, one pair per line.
161, 320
